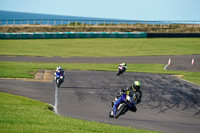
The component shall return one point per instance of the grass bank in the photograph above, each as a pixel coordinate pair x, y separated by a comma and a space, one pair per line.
20, 114
173, 28
100, 47
28, 69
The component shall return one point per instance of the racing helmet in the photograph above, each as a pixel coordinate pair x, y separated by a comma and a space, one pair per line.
136, 85
58, 69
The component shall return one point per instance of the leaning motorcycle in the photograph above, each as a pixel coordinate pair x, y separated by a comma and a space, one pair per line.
121, 70
59, 79
124, 106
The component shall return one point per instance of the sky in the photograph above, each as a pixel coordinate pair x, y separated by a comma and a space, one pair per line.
116, 9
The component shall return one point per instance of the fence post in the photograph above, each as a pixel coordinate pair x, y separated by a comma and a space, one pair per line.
54, 22
83, 24
97, 22
0, 21
104, 23
62, 22
27, 22
14, 22
68, 22
6, 22
47, 22
168, 23
193, 23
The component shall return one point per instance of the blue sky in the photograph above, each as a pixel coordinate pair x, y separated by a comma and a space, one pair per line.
117, 9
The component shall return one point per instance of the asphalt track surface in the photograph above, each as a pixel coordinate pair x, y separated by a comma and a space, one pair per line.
168, 103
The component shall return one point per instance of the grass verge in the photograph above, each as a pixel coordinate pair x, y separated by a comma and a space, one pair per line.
28, 69
20, 114
100, 47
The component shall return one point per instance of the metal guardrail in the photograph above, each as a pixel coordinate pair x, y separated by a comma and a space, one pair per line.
65, 22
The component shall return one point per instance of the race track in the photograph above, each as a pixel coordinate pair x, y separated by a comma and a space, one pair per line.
168, 103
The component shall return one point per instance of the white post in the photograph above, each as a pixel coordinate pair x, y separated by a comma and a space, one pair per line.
83, 24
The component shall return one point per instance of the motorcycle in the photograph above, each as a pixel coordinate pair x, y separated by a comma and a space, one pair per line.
59, 78
120, 71
128, 100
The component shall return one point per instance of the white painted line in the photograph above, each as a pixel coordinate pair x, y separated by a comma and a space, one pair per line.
51, 105
165, 68
56, 99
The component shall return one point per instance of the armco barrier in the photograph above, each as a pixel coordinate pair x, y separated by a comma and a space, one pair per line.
59, 35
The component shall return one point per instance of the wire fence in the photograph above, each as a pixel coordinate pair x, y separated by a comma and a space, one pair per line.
97, 23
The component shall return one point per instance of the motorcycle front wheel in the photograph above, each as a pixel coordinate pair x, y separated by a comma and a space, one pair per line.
120, 110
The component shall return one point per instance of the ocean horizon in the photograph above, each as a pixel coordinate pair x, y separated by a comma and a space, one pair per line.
18, 18
11, 15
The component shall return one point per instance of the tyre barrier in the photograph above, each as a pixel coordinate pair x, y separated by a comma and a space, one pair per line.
65, 35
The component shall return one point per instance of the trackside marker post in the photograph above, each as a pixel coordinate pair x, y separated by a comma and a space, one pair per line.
169, 62
192, 63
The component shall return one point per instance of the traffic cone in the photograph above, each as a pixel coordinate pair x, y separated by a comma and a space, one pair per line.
192, 63
169, 62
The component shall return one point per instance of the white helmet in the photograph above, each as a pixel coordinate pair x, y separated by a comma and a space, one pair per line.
58, 69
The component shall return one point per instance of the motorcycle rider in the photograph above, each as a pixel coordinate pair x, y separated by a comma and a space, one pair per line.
129, 99
59, 70
124, 65
135, 87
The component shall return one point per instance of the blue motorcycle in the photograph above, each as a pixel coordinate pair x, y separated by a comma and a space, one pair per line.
123, 104
59, 78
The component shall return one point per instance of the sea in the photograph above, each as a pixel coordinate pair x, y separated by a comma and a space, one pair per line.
18, 18
7, 17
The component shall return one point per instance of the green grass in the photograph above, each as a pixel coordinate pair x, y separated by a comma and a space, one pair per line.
28, 69
20, 114
100, 47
